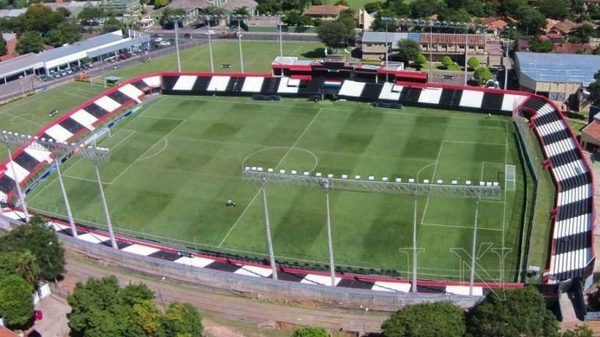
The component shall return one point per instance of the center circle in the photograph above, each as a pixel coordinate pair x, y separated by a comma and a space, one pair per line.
282, 158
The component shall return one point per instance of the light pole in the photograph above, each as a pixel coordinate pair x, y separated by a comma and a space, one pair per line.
176, 20
474, 249
430, 46
210, 51
22, 87
466, 52
239, 36
415, 252
506, 59
113, 242
281, 36
268, 231
387, 21
329, 236
6, 140
65, 198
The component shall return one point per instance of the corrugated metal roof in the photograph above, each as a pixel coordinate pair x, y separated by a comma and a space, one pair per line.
81, 46
392, 37
121, 45
560, 68
20, 64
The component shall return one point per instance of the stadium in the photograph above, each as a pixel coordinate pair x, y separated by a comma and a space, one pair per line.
458, 164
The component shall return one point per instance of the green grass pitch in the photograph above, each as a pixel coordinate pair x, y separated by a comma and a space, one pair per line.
175, 163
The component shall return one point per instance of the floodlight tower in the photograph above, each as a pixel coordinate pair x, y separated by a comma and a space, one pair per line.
177, 20
387, 21
239, 35
58, 151
268, 231
325, 184
489, 190
6, 139
474, 248
209, 33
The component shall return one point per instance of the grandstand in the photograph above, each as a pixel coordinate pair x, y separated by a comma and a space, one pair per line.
571, 254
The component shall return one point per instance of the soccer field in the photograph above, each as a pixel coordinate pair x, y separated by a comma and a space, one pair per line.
176, 162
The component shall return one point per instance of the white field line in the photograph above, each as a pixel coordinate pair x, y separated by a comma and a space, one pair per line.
276, 167
437, 162
461, 227
142, 156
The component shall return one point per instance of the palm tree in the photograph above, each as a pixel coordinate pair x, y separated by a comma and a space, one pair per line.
28, 269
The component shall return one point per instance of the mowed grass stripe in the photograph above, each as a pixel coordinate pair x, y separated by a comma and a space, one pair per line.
179, 193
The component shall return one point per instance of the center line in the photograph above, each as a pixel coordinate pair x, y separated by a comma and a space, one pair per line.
276, 167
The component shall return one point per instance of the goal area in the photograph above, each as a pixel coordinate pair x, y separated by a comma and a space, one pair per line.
511, 178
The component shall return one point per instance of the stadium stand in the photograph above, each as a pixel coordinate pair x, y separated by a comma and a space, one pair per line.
571, 252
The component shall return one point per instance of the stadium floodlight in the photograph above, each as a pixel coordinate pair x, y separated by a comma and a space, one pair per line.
239, 35
387, 21
59, 150
177, 19
386, 186
473, 250
6, 139
209, 33
268, 232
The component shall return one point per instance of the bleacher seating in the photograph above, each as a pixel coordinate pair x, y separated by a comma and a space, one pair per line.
572, 250
270, 86
71, 125
451, 98
313, 86
492, 101
168, 83
410, 95
119, 97
235, 85
95, 110
572, 253
371, 92
201, 85
26, 161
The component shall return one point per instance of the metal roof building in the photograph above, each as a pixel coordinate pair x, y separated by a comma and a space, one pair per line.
62, 56
557, 75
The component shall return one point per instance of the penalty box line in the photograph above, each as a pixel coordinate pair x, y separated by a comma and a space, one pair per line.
276, 167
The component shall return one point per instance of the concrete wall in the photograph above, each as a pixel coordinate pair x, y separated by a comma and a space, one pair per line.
279, 291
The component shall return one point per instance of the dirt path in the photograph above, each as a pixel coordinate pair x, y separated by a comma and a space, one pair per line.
232, 307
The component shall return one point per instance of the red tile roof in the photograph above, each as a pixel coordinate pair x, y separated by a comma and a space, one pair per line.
325, 10
4, 332
593, 130
473, 39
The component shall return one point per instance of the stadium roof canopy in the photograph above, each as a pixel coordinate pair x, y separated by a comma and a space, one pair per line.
392, 37
92, 47
558, 68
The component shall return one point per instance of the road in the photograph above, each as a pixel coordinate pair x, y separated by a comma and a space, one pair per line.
230, 306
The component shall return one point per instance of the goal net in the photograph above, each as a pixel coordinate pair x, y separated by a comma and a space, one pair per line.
511, 177
98, 136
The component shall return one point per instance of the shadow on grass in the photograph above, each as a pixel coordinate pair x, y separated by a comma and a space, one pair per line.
314, 54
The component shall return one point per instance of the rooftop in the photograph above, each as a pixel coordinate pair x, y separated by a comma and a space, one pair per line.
561, 68
472, 39
232, 5
393, 38
593, 129
325, 10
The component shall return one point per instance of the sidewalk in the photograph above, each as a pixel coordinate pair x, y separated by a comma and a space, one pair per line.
54, 323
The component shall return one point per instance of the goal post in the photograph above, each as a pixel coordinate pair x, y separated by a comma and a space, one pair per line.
511, 178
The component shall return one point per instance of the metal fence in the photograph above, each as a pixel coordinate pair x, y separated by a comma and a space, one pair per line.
529, 146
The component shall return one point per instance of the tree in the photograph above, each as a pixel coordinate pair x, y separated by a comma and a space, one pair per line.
594, 89
341, 3
447, 61
584, 33
420, 60
530, 19
2, 46
473, 62
372, 7
148, 317
555, 9
292, 18
482, 74
91, 13
243, 11
580, 331
35, 236
181, 320
408, 50
310, 332
160, 3
65, 13
30, 42
136, 293
426, 8
511, 313
16, 303
541, 46
426, 320
111, 24
333, 34
41, 18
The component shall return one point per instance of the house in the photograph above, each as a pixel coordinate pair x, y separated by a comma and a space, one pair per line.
364, 19
11, 45
193, 8
565, 27
231, 5
325, 12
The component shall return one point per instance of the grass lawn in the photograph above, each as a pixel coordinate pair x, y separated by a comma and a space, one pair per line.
257, 58
176, 162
